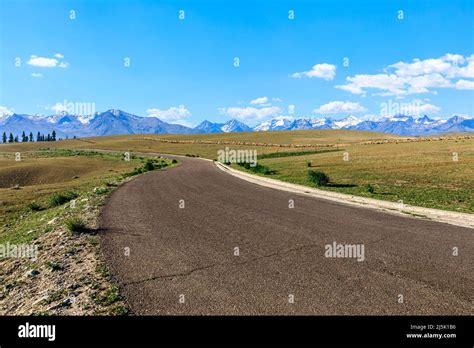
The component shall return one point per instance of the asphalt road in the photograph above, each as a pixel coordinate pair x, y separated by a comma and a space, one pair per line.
173, 260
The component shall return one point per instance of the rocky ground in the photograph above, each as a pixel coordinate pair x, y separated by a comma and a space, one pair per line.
69, 276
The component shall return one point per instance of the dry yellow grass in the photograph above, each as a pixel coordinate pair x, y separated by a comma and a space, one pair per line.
416, 170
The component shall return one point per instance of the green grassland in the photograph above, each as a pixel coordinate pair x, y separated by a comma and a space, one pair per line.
422, 174
51, 199
418, 171
28, 187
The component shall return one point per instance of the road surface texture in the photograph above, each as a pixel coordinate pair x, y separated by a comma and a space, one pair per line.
195, 240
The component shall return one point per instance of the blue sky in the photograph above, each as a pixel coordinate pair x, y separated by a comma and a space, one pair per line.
182, 70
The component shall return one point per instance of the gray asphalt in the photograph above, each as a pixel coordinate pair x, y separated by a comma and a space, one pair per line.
183, 260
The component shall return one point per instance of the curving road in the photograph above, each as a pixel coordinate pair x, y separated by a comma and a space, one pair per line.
173, 260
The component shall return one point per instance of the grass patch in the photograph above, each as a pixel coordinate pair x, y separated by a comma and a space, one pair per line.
54, 266
107, 297
318, 178
34, 206
294, 153
57, 199
149, 165
258, 168
75, 225
55, 296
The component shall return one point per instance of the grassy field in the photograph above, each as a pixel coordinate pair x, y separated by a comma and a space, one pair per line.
422, 174
41, 174
51, 199
418, 171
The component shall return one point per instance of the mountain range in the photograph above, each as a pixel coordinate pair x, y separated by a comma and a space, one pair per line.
114, 122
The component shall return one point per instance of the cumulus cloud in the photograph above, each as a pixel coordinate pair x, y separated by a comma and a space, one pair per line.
428, 109
259, 101
59, 108
415, 107
336, 107
246, 113
323, 71
173, 114
46, 62
418, 76
465, 84
4, 111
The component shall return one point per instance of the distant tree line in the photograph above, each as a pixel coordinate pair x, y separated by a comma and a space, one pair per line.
28, 138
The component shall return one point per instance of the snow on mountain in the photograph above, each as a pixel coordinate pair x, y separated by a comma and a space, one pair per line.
235, 126
279, 123
349, 121
114, 121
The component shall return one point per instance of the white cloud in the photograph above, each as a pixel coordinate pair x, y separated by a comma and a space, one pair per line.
465, 84
259, 101
59, 56
418, 76
323, 71
356, 84
246, 113
4, 111
336, 107
45, 62
415, 107
426, 109
59, 108
173, 114
38, 75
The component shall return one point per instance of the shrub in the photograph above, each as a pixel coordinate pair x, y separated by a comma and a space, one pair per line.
308, 164
256, 169
370, 188
33, 206
60, 198
75, 224
149, 165
318, 178
174, 161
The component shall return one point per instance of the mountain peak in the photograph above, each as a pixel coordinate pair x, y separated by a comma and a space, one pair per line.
115, 121
235, 125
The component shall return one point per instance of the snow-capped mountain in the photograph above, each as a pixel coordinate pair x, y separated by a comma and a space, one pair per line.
114, 122
275, 124
235, 126
398, 124
228, 127
347, 122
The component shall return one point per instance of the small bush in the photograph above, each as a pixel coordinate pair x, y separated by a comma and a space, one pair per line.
75, 224
174, 161
60, 198
318, 178
370, 188
308, 164
54, 266
149, 165
33, 206
257, 168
